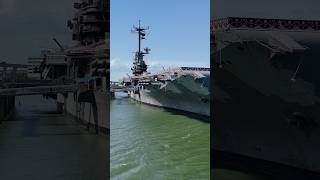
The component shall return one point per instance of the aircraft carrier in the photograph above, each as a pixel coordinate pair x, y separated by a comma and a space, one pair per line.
84, 64
184, 88
266, 91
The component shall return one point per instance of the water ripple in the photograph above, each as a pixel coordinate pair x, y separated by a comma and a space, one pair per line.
151, 143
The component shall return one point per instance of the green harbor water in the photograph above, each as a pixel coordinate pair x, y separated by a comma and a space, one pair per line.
152, 143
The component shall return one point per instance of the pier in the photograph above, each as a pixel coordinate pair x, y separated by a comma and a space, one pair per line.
116, 87
36, 90
15, 82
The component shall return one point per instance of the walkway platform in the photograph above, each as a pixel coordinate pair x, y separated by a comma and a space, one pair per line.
38, 90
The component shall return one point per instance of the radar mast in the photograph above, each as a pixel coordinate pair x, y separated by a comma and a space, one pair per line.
139, 65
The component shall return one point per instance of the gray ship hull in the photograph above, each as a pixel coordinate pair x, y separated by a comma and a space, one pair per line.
184, 94
86, 112
266, 106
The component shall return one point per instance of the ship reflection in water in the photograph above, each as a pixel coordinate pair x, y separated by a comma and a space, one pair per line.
152, 143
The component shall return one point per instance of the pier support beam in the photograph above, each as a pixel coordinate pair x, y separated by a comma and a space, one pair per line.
7, 104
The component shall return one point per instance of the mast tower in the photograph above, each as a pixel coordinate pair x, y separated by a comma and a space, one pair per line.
139, 65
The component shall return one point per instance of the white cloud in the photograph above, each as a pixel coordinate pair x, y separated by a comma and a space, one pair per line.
116, 64
119, 68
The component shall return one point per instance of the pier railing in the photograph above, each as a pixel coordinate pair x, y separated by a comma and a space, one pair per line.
54, 89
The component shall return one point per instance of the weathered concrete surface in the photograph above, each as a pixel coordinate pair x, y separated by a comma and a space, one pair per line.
37, 143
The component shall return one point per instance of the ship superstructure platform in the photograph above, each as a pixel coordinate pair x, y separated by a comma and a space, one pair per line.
170, 75
168, 88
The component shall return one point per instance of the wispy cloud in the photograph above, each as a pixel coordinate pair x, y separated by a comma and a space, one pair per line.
119, 68
116, 65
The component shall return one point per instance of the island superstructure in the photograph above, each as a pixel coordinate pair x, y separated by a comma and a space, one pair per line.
266, 100
85, 63
169, 88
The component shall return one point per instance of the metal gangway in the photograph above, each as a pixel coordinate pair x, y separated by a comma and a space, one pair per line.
40, 90
117, 87
122, 89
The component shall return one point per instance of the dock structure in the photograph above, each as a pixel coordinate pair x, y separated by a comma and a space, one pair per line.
122, 89
240, 23
40, 90
117, 87
13, 83
12, 72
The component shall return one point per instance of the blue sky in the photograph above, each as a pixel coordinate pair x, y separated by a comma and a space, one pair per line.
179, 34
